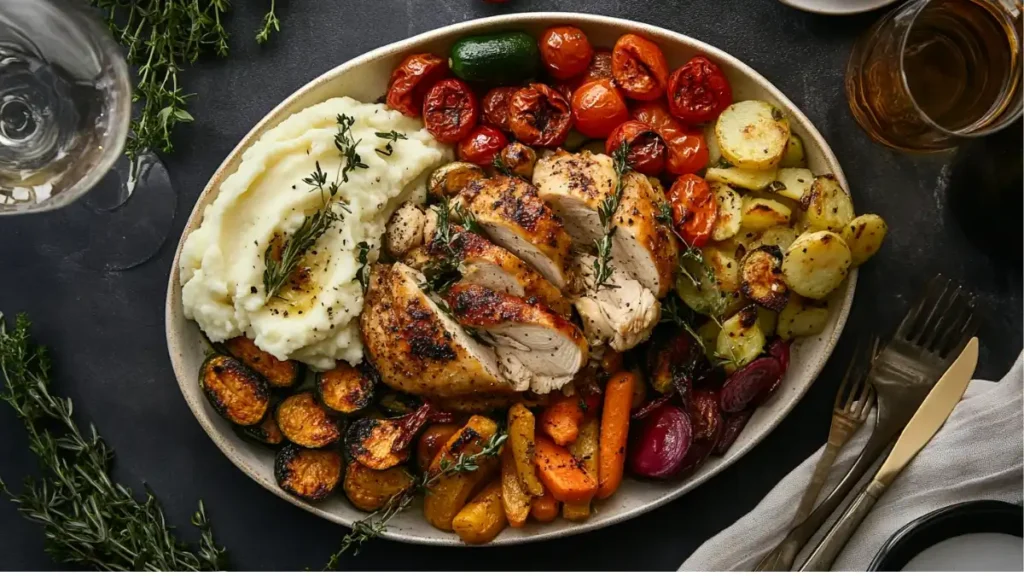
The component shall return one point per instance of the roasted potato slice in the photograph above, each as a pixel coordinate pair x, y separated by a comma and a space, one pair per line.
235, 392
448, 180
483, 518
768, 320
802, 317
827, 205
741, 340
781, 236
449, 494
584, 450
741, 177
793, 183
699, 288
345, 388
864, 236
724, 266
714, 152
761, 214
794, 157
305, 422
761, 278
519, 159
816, 264
514, 498
521, 432
369, 490
277, 373
730, 211
307, 473
708, 333
752, 134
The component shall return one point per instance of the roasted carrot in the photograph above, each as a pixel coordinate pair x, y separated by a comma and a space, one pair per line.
544, 508
584, 450
561, 474
561, 419
618, 399
514, 497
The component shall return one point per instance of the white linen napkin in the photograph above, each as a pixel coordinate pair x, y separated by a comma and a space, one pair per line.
977, 455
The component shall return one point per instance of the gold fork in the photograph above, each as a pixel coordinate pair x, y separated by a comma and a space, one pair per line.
853, 404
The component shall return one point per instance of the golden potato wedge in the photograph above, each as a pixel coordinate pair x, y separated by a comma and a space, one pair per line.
483, 518
761, 214
781, 236
448, 180
793, 183
752, 134
864, 235
369, 490
802, 317
761, 278
449, 494
741, 339
714, 152
768, 320
816, 264
794, 157
827, 205
708, 333
522, 426
741, 177
584, 450
514, 498
730, 211
724, 266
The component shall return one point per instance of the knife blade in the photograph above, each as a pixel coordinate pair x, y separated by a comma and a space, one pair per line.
932, 413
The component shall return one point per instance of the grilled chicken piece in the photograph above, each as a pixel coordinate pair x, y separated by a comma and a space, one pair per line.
537, 349
489, 265
415, 346
405, 229
515, 218
643, 246
575, 185
621, 315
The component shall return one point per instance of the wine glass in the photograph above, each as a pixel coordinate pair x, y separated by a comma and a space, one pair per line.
65, 113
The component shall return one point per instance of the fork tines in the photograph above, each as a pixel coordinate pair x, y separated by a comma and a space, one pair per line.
942, 321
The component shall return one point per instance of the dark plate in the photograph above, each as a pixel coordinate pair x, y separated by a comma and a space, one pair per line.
980, 516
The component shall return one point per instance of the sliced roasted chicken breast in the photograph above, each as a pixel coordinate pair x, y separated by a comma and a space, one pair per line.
621, 314
514, 217
487, 264
643, 246
537, 349
415, 346
575, 185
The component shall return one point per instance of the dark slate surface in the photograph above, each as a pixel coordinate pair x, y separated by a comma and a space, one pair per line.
106, 329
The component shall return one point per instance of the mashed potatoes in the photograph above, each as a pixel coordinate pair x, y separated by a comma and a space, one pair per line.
265, 201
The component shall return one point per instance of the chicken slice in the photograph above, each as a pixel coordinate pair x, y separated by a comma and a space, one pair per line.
415, 346
643, 246
489, 265
537, 349
575, 185
515, 218
621, 314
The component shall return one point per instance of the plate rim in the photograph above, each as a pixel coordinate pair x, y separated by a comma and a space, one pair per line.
837, 11
275, 115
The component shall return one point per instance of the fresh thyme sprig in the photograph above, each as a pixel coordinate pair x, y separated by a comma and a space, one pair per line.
500, 166
675, 312
375, 525
87, 518
270, 21
347, 147
443, 272
363, 273
606, 211
391, 137
467, 219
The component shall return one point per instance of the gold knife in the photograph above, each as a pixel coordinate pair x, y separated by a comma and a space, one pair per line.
930, 416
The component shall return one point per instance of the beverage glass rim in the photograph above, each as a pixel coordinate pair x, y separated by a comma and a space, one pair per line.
1007, 10
119, 113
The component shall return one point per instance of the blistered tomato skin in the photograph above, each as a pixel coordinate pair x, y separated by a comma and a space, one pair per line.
646, 150
639, 68
495, 105
450, 110
412, 79
698, 91
565, 51
687, 148
600, 67
539, 116
694, 209
597, 108
482, 145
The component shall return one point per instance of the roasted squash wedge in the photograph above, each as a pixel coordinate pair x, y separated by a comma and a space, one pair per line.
305, 422
446, 497
369, 490
307, 473
346, 389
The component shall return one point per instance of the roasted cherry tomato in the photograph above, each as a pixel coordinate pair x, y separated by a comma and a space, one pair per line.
600, 67
539, 116
450, 110
565, 88
687, 149
698, 91
646, 149
482, 145
694, 209
597, 108
639, 68
495, 104
411, 80
565, 51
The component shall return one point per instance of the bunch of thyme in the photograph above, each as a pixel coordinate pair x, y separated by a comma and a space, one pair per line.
606, 211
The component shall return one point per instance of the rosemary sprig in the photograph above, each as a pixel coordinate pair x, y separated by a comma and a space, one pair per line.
270, 21
375, 524
363, 273
87, 518
606, 211
391, 137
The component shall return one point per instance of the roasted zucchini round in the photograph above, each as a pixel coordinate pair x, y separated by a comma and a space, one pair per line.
369, 490
308, 474
369, 441
761, 278
235, 392
266, 431
394, 403
345, 389
305, 422
278, 373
